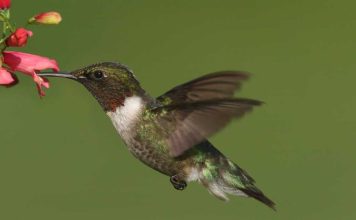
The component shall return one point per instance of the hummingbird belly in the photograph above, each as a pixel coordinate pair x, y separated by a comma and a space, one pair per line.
155, 157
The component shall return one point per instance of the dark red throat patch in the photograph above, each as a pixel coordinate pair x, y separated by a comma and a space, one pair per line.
112, 103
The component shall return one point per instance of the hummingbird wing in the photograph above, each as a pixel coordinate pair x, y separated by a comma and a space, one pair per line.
189, 123
211, 86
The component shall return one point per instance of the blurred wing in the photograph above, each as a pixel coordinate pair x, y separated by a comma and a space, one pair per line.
188, 124
211, 86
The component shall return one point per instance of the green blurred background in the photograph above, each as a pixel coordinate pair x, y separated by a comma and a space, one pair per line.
60, 157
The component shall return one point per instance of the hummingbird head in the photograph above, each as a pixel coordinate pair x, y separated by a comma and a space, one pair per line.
110, 83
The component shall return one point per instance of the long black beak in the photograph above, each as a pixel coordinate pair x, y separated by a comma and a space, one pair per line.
59, 74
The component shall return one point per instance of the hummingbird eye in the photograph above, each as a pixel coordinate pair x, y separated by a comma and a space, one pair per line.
98, 74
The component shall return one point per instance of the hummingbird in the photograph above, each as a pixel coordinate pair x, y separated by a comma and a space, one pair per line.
169, 133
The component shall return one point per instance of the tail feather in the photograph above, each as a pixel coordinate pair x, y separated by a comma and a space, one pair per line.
258, 195
222, 177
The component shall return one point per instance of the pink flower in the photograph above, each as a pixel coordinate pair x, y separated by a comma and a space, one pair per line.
5, 4
30, 64
5, 77
51, 17
18, 38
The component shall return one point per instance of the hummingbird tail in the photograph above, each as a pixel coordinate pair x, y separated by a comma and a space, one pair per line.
221, 177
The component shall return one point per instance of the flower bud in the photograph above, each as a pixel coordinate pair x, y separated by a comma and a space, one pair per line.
5, 4
46, 18
18, 38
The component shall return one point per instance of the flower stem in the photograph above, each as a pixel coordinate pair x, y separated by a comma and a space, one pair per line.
7, 29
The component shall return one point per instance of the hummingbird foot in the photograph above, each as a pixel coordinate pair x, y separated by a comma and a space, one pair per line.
177, 183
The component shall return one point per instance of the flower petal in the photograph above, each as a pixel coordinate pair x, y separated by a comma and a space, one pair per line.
40, 82
5, 77
30, 64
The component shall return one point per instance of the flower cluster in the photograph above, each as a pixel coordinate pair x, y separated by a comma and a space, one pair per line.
12, 61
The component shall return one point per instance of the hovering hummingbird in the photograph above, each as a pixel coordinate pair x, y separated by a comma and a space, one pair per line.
169, 133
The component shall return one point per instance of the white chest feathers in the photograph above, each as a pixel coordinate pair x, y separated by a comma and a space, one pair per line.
126, 116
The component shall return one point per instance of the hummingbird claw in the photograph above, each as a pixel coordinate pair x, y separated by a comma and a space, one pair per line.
178, 184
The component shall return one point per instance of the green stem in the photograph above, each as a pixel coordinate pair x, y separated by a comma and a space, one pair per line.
9, 25
3, 37
8, 29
